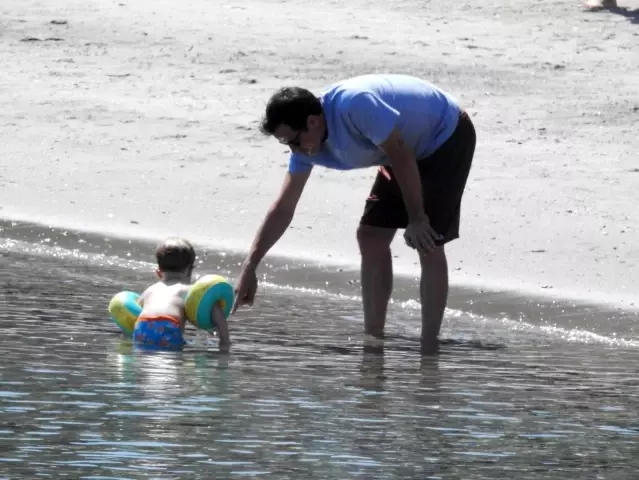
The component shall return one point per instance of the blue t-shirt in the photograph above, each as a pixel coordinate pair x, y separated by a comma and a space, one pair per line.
362, 111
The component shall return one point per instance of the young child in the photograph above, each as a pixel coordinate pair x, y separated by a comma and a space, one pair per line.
162, 320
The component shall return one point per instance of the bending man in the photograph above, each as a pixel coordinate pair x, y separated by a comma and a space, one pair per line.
423, 144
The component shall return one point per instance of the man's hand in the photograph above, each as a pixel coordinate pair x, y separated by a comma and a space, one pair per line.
246, 288
421, 236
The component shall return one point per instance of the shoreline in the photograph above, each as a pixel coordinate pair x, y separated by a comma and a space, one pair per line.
605, 300
317, 278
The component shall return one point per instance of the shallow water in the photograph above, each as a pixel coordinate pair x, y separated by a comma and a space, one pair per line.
527, 394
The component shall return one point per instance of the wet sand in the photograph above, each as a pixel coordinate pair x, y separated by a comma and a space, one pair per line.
281, 274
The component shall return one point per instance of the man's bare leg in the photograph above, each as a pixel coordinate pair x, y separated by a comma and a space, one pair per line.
376, 275
434, 295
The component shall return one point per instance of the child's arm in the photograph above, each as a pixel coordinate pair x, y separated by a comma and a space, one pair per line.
222, 327
143, 296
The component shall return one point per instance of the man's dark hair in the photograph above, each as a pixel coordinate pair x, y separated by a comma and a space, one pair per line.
175, 255
290, 106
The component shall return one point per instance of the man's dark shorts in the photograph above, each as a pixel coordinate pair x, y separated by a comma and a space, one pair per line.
443, 176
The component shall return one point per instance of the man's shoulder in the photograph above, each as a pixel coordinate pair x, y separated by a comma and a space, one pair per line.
383, 84
341, 98
345, 90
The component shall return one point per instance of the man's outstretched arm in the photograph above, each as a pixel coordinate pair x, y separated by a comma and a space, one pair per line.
277, 220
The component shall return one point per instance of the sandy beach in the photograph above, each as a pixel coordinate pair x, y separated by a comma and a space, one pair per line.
139, 118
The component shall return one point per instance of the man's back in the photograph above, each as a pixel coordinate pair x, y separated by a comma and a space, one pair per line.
427, 114
360, 113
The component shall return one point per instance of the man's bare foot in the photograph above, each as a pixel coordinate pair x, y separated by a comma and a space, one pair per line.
600, 4
430, 347
373, 340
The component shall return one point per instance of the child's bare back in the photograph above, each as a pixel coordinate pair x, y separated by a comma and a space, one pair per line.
164, 299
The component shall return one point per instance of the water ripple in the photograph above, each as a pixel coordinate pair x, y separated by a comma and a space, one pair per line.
299, 396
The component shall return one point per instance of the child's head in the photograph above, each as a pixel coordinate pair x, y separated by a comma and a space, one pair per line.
175, 255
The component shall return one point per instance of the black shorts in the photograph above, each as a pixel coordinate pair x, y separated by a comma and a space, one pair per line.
443, 176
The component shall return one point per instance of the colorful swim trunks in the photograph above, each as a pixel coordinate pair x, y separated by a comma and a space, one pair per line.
158, 332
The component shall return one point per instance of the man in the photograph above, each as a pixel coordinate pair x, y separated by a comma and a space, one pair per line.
423, 144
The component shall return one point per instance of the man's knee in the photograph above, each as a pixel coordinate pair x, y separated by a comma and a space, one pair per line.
374, 240
434, 260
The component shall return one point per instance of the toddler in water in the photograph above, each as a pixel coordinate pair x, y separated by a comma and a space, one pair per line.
162, 320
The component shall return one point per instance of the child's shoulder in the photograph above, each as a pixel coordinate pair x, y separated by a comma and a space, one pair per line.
154, 286
184, 288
